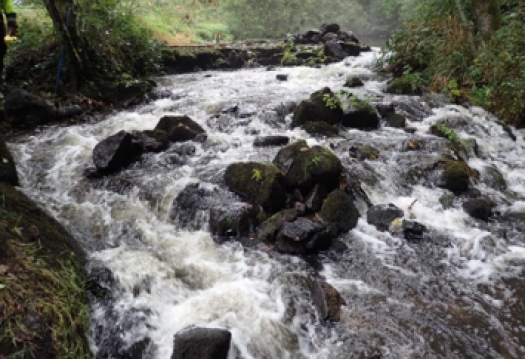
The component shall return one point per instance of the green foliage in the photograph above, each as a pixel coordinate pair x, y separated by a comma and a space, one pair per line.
447, 54
448, 133
331, 101
289, 52
256, 175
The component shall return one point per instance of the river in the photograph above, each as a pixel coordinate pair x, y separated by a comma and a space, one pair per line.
459, 295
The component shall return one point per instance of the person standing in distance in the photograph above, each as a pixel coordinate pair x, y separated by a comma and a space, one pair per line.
7, 8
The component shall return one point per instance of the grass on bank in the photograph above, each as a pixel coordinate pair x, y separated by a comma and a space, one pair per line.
43, 299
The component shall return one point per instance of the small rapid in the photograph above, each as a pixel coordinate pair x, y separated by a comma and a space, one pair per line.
458, 294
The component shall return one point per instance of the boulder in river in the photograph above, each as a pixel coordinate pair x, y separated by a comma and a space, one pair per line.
455, 176
180, 128
382, 215
201, 343
115, 152
263, 184
338, 212
303, 235
267, 141
323, 105
304, 166
480, 208
360, 115
327, 300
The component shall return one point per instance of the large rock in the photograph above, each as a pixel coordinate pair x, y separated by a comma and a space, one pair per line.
382, 215
360, 115
304, 166
8, 172
334, 48
323, 105
115, 152
333, 27
303, 235
25, 110
339, 212
320, 128
263, 184
267, 141
155, 141
201, 343
455, 176
181, 128
480, 208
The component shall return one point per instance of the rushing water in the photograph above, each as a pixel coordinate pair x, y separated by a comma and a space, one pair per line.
459, 295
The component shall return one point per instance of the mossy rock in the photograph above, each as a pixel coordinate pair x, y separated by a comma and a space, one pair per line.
364, 152
43, 295
405, 85
317, 108
267, 231
353, 81
320, 128
339, 212
307, 166
7, 165
456, 176
261, 183
180, 128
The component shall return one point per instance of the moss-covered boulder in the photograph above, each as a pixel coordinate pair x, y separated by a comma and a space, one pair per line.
7, 166
405, 85
43, 294
361, 115
180, 128
323, 105
455, 176
353, 81
339, 212
261, 183
320, 128
304, 166
480, 208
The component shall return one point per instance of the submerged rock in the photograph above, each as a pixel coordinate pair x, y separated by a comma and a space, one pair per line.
267, 141
201, 343
327, 300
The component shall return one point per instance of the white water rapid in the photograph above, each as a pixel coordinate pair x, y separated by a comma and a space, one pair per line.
456, 296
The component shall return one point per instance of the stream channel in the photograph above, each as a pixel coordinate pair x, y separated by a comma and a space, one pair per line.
457, 293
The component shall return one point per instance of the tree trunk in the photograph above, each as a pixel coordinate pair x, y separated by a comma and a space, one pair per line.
487, 16
62, 12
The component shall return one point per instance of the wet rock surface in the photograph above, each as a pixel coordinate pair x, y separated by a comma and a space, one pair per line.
201, 343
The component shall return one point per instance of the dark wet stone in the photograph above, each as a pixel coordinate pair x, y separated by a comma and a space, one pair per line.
235, 60
201, 343
413, 231
180, 128
334, 48
382, 215
155, 141
395, 120
303, 235
333, 27
385, 109
329, 36
480, 208
69, 112
282, 77
233, 220
327, 300
338, 212
114, 152
455, 176
271, 141
360, 116
267, 231
7, 165
352, 49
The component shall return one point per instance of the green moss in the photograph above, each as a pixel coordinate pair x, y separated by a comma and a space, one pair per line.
339, 212
269, 228
405, 85
43, 302
456, 175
